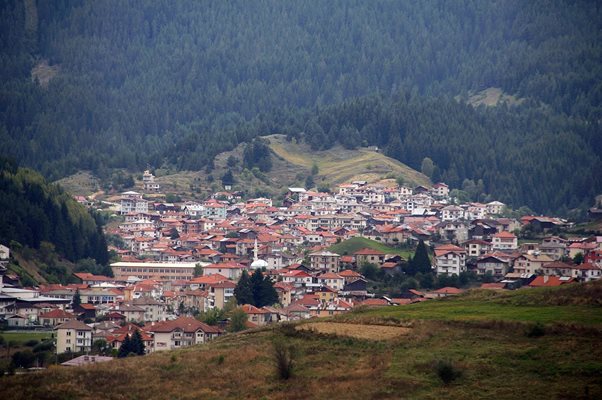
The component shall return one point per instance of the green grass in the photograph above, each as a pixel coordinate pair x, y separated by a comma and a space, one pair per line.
495, 363
579, 304
22, 337
350, 246
445, 310
494, 360
339, 165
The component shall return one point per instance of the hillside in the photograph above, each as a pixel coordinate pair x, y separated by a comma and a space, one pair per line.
339, 165
380, 358
350, 246
46, 229
172, 86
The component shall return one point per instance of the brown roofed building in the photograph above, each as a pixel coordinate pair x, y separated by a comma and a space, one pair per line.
181, 332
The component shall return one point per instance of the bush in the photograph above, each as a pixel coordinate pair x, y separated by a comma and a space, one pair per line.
284, 359
44, 346
23, 359
31, 342
536, 331
446, 371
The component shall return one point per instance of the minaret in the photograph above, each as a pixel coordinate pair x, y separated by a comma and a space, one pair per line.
255, 251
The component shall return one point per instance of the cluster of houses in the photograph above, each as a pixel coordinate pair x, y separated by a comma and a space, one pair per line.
178, 259
548, 262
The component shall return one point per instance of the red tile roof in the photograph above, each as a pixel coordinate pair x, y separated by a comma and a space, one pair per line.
366, 252
449, 290
547, 281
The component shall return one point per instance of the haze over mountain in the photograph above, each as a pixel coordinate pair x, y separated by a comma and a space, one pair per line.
97, 85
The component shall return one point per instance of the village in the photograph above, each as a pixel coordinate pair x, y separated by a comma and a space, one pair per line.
181, 260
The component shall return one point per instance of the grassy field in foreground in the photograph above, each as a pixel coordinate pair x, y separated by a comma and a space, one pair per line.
22, 337
571, 304
499, 363
476, 310
500, 360
350, 246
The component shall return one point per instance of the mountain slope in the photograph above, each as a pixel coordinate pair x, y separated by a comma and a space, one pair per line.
176, 84
338, 165
37, 216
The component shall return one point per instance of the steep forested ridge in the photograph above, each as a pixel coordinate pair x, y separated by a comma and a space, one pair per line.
33, 211
154, 82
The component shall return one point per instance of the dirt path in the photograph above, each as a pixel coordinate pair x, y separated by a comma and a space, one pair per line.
371, 332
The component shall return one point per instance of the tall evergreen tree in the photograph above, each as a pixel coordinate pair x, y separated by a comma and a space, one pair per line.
126, 347
242, 291
77, 300
137, 344
421, 262
267, 294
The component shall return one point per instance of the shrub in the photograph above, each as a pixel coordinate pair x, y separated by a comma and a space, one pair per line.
284, 359
44, 346
446, 371
536, 330
31, 342
23, 359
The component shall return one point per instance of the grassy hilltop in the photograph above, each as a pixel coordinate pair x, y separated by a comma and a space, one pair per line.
386, 353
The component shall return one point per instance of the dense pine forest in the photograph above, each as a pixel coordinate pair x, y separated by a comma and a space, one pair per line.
40, 216
137, 83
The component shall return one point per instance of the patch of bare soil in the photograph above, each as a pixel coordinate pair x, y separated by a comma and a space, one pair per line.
370, 332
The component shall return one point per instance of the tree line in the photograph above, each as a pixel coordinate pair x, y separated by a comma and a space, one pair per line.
42, 216
177, 83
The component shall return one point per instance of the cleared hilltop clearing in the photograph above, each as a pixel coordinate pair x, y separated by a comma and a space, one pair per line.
339, 165
292, 163
494, 355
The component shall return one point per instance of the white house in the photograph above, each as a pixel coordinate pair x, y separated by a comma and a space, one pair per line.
73, 336
450, 259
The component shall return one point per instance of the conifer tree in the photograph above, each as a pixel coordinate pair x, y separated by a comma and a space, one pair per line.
242, 291
137, 344
77, 300
126, 347
421, 262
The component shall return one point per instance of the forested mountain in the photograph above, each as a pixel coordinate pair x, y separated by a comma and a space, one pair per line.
176, 82
33, 212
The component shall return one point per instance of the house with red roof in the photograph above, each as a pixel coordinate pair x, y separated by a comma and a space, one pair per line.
450, 260
55, 317
116, 338
296, 312
587, 272
550, 281
285, 291
332, 280
504, 241
297, 278
230, 270
257, 316
371, 256
350, 275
